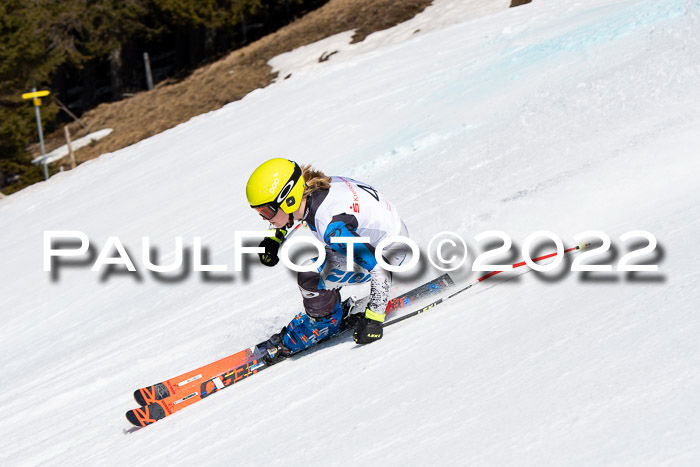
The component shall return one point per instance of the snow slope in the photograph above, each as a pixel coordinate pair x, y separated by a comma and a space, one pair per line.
564, 116
62, 151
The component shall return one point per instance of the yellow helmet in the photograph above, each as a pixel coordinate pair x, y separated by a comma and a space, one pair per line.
276, 184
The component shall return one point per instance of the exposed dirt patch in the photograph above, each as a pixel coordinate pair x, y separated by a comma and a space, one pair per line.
231, 78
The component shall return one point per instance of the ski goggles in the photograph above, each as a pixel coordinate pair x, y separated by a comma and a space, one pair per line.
267, 211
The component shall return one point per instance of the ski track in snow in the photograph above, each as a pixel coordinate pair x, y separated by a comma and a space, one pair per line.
564, 116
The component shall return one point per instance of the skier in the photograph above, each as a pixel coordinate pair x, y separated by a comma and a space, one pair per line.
282, 192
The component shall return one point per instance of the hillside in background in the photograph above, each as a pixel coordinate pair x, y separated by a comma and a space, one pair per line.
86, 53
230, 78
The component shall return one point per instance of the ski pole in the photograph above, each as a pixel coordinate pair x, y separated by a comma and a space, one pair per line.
291, 232
476, 281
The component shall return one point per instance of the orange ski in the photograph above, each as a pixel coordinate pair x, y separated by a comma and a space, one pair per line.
183, 383
167, 397
199, 389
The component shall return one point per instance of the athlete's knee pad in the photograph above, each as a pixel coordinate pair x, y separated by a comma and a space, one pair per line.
319, 301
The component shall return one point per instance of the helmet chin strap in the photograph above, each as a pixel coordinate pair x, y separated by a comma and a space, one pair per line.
291, 220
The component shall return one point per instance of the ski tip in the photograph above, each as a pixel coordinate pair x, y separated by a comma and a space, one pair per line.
150, 394
144, 416
133, 419
138, 397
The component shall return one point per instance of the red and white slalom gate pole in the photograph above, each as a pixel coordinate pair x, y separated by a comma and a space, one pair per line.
476, 281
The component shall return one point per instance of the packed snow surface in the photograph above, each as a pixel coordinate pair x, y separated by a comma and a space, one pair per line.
557, 116
62, 151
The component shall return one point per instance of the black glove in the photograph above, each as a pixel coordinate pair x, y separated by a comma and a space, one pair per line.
272, 246
369, 328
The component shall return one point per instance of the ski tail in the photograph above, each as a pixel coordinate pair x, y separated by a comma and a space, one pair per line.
407, 299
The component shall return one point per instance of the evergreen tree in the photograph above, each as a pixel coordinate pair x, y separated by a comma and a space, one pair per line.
109, 26
72, 44
27, 59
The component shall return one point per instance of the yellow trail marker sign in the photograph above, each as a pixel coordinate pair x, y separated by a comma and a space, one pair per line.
35, 94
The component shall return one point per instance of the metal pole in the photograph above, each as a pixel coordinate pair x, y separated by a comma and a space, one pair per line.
149, 76
41, 137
